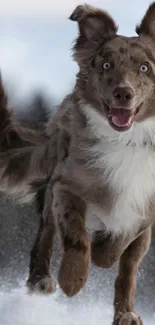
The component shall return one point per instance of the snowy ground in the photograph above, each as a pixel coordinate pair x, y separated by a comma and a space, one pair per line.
92, 306
20, 309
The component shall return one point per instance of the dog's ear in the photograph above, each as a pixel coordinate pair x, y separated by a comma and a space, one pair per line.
94, 24
147, 25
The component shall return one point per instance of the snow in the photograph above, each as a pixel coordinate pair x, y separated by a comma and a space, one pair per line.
17, 307
90, 307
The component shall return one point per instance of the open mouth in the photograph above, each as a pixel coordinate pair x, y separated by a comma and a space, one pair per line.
121, 119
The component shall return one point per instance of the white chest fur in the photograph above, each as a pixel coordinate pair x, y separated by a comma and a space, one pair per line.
129, 170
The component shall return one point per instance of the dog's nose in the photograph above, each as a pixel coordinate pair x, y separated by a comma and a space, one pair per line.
124, 94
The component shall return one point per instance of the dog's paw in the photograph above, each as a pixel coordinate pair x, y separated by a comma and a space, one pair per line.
127, 319
45, 285
73, 272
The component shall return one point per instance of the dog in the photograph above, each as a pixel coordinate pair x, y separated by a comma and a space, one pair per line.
94, 175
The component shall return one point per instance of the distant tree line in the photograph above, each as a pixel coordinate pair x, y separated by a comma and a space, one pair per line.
35, 112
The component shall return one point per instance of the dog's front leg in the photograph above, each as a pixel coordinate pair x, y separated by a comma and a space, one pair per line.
126, 280
69, 210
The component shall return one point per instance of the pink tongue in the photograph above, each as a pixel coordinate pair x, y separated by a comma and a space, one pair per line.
121, 117
119, 121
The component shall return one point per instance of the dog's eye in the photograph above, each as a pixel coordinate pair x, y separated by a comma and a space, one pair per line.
106, 66
144, 68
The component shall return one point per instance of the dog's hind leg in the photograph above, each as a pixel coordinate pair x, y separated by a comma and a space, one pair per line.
107, 249
40, 277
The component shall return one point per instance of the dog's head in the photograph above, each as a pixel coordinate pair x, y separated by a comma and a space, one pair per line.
117, 73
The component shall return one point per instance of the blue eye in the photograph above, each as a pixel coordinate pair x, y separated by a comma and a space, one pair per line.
106, 66
144, 68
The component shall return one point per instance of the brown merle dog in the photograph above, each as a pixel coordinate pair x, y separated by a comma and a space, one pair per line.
96, 170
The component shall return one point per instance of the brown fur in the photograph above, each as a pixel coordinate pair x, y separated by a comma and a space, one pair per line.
67, 175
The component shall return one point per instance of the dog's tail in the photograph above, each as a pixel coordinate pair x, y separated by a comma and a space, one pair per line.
22, 167
26, 155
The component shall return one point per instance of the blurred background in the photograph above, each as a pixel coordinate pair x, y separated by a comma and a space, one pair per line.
35, 60
36, 39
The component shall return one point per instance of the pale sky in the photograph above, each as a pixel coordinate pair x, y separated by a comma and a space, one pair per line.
64, 7
58, 7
